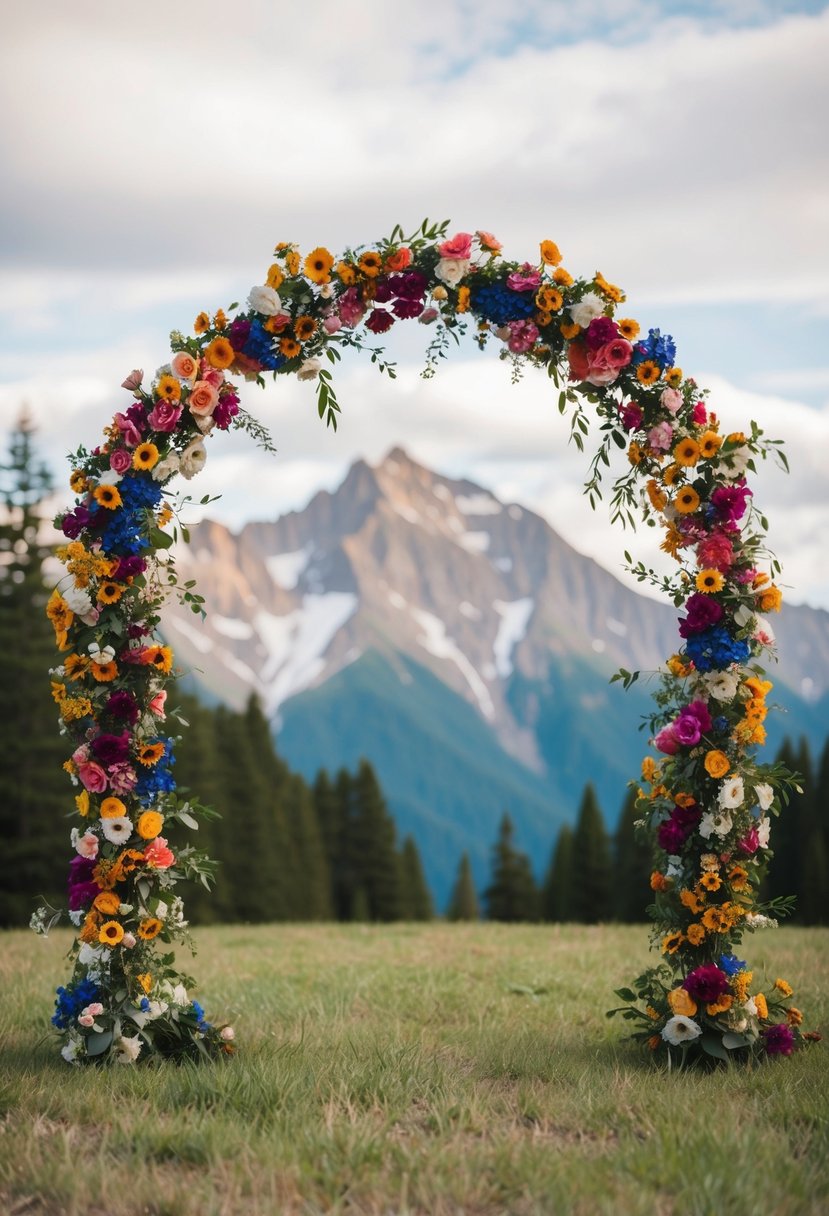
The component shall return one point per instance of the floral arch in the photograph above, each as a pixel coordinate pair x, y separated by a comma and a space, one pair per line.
705, 801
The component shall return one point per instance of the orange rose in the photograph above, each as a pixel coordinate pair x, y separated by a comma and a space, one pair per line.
716, 764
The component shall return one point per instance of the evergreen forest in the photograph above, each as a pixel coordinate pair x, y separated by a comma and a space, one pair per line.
328, 850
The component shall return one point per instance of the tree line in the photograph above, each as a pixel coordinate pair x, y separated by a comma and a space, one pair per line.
290, 850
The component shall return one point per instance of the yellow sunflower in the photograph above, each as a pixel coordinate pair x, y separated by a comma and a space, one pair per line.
709, 444
145, 456
709, 582
107, 496
201, 323
110, 592
687, 500
550, 253
318, 266
289, 347
110, 933
150, 928
168, 389
305, 328
686, 452
220, 354
648, 372
628, 328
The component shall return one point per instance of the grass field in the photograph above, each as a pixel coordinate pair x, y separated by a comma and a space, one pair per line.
412, 1069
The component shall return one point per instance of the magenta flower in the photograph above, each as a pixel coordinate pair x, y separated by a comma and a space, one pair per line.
600, 332
703, 611
522, 336
379, 321
779, 1039
631, 416
666, 741
716, 552
525, 279
730, 502
707, 983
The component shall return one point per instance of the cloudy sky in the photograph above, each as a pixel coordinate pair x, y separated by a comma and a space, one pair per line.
156, 153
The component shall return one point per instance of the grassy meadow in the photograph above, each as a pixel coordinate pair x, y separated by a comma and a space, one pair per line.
435, 1069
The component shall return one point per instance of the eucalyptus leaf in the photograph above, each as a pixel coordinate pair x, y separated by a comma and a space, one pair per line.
732, 1041
96, 1044
712, 1046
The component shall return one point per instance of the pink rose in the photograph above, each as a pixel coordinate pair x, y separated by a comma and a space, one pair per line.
133, 380
184, 366
120, 460
459, 246
214, 375
81, 754
96, 1009
351, 307
332, 324
92, 777
128, 941
158, 855
87, 845
522, 336
666, 741
227, 1034
86, 1019
525, 279
157, 704
616, 353
671, 400
129, 431
164, 416
660, 436
203, 399
428, 316
700, 414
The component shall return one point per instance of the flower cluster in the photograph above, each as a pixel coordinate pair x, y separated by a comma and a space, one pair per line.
708, 803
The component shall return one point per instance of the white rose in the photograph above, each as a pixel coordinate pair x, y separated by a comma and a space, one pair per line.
166, 467
265, 300
734, 464
764, 795
109, 478
750, 1007
205, 423
732, 793
719, 825
130, 1049
763, 831
722, 685
69, 1051
310, 370
89, 954
452, 270
587, 309
193, 459
78, 600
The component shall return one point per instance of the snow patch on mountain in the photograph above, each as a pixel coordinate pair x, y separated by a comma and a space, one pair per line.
286, 569
229, 627
515, 617
475, 542
478, 504
297, 641
434, 640
196, 637
469, 610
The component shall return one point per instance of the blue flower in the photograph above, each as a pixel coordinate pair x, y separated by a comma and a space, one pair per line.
496, 303
158, 779
259, 346
731, 965
71, 1000
656, 347
714, 649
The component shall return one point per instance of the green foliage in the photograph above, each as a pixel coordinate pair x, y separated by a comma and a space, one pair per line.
591, 896
512, 894
463, 902
35, 793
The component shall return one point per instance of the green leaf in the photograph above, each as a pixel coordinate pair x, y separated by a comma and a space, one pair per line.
159, 539
188, 820
96, 1044
626, 994
732, 1041
712, 1045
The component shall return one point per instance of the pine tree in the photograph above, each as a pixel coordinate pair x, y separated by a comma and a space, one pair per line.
463, 902
375, 846
35, 793
592, 895
512, 894
785, 873
415, 898
312, 892
557, 892
632, 865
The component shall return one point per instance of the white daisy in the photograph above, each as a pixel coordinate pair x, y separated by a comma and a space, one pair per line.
732, 793
117, 831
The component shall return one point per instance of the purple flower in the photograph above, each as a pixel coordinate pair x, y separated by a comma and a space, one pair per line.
666, 741
123, 705
226, 410
631, 416
600, 331
686, 730
111, 749
82, 889
379, 321
239, 333
383, 291
122, 778
730, 502
779, 1039
707, 983
407, 309
409, 286
703, 611
74, 522
129, 567
671, 837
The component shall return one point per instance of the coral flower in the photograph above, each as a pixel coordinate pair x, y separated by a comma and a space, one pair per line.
158, 855
399, 260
